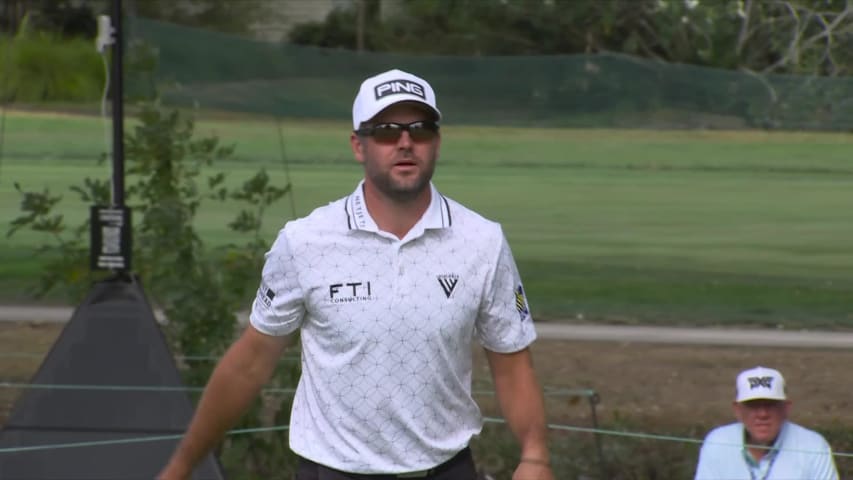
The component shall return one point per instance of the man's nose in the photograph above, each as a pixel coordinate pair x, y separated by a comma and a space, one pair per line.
405, 140
762, 410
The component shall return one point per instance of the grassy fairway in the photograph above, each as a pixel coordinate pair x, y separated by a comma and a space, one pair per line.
675, 227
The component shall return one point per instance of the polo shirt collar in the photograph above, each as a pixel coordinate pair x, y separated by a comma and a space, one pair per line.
437, 214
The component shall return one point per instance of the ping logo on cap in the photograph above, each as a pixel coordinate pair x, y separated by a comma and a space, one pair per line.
393, 87
756, 382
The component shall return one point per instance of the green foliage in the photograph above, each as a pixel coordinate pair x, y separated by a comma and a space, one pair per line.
527, 27
42, 67
67, 256
338, 30
69, 18
198, 288
221, 15
798, 36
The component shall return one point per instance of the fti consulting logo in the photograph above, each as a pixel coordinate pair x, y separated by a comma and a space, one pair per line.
351, 292
521, 303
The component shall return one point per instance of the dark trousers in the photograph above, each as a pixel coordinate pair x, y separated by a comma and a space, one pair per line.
460, 467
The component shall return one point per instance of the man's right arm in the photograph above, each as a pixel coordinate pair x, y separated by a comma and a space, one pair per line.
236, 381
706, 468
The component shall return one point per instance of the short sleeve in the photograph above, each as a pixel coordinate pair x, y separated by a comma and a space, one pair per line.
278, 308
823, 467
504, 323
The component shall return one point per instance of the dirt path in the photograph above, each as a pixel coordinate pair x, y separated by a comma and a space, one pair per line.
576, 332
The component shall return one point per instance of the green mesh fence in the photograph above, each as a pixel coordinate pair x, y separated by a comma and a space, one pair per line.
217, 71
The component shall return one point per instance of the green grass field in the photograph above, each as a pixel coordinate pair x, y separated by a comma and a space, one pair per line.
678, 227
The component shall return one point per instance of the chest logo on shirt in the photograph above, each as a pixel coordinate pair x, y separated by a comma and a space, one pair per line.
448, 282
350, 292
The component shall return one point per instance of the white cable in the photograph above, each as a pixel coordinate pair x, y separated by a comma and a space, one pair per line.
107, 138
102, 41
105, 33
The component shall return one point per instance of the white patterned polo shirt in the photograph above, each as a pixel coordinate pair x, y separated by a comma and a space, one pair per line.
387, 327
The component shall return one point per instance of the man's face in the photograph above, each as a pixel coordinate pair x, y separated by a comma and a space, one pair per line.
762, 419
402, 168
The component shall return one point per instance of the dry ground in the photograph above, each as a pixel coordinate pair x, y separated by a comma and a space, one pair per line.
684, 385
666, 388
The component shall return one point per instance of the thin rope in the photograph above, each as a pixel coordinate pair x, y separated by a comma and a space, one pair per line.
189, 358
156, 388
618, 433
122, 388
181, 388
214, 358
652, 436
98, 443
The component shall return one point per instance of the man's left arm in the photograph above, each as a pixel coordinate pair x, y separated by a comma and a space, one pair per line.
520, 399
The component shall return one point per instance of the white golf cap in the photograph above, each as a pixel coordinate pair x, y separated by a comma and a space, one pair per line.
760, 383
381, 91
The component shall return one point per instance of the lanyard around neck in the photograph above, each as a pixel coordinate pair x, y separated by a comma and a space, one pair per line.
774, 453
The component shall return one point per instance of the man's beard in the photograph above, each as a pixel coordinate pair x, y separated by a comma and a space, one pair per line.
402, 191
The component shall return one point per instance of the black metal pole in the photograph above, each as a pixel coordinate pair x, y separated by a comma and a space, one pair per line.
118, 106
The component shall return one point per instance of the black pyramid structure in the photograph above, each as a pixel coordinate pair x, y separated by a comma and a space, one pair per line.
111, 340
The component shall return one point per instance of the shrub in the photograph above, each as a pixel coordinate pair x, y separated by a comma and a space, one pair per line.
41, 67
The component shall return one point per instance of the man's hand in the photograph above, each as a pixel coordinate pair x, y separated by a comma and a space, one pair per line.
520, 399
529, 470
174, 472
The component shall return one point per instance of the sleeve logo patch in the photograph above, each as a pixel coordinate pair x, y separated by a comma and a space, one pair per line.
521, 303
266, 295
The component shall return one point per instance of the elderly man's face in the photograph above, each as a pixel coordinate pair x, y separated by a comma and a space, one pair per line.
762, 419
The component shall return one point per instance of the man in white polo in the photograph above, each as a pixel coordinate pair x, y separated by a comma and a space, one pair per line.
389, 287
763, 444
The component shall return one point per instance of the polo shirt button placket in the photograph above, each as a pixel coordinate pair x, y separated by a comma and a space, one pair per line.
398, 261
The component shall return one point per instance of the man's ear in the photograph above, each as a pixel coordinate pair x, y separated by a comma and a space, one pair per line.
736, 407
787, 407
357, 147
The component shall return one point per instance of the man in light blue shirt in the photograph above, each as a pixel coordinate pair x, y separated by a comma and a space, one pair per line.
763, 444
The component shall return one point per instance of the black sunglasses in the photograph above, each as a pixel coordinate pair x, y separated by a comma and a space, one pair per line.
420, 131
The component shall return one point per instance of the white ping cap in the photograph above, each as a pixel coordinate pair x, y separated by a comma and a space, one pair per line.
760, 383
381, 91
